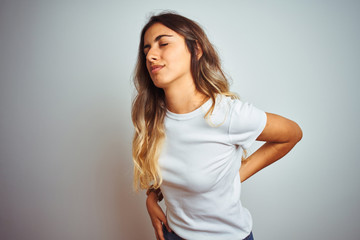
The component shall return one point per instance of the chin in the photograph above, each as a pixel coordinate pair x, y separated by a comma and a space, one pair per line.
160, 84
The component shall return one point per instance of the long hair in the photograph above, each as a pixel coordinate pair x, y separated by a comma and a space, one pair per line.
149, 107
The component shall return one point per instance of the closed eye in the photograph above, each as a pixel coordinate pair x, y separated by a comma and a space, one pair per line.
147, 47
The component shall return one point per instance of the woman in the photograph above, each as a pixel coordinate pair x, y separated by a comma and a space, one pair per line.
191, 133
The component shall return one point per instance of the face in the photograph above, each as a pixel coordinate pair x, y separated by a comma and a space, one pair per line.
167, 57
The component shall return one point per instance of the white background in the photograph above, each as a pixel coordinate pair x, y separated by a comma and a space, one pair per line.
65, 126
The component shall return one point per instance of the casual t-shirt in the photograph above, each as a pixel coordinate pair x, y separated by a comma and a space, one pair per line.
200, 164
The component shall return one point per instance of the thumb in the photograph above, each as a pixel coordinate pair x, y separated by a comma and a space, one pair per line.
167, 225
164, 220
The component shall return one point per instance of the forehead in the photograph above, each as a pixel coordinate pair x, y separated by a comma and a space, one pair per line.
158, 29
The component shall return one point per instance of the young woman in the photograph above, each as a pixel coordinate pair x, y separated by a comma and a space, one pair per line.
191, 133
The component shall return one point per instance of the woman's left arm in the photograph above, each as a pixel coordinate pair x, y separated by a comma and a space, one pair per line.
280, 135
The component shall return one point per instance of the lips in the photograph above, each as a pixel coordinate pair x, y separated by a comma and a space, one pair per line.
156, 68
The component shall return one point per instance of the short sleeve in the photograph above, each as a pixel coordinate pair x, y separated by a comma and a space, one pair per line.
246, 123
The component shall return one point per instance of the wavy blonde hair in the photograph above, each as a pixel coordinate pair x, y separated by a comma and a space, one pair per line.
149, 108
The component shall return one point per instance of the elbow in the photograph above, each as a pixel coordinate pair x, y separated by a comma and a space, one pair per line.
297, 133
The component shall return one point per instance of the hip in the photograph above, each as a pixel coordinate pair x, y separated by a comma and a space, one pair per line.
174, 236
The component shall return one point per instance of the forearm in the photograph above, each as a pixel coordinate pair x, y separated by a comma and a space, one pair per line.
267, 154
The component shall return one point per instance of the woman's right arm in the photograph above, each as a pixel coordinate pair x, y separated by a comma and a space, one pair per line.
280, 135
157, 215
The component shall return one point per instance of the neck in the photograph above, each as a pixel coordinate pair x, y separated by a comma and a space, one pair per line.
183, 99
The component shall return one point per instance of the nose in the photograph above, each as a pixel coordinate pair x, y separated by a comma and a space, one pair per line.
152, 55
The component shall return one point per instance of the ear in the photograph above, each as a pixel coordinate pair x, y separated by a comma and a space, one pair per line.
199, 51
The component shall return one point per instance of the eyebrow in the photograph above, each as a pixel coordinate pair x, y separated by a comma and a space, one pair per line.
157, 39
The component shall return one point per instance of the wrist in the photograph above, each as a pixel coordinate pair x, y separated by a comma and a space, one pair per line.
152, 198
154, 193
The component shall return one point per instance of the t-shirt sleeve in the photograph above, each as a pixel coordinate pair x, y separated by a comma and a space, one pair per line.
246, 123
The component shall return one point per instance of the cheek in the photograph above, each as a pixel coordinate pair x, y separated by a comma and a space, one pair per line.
180, 59
186, 62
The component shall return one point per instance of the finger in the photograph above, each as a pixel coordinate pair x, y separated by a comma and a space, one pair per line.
155, 225
164, 220
167, 225
160, 232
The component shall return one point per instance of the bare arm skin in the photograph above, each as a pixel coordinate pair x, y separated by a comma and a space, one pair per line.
157, 215
280, 135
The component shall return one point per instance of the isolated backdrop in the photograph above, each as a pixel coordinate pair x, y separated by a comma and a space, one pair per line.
65, 126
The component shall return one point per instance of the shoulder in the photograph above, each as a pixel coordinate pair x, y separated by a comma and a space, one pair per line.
227, 104
223, 104
222, 110
241, 113
225, 101
228, 107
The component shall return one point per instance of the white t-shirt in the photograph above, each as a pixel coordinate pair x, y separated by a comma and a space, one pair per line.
200, 164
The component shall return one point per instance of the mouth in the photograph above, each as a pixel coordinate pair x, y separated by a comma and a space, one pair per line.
156, 68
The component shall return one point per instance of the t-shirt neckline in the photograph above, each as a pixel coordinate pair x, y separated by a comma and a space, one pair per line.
184, 116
